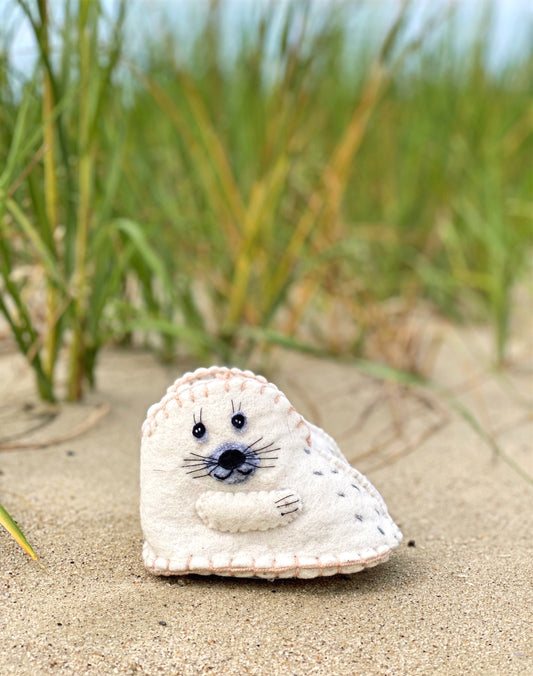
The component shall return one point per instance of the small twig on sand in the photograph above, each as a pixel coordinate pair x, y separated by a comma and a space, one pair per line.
99, 412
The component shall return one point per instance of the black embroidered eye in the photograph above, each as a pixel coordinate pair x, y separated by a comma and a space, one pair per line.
238, 420
199, 430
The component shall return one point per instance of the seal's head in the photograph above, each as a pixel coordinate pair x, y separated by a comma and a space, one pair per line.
224, 427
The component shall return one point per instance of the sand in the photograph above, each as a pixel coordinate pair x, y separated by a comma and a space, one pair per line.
456, 597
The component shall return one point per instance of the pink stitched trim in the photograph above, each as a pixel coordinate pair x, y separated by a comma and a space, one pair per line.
221, 373
308, 438
206, 392
276, 571
297, 566
214, 372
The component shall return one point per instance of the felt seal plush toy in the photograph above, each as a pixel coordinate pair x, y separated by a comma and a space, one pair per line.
234, 481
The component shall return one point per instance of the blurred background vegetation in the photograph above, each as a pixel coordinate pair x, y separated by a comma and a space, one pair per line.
216, 181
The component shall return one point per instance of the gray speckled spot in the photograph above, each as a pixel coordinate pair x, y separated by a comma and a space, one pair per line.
334, 471
381, 530
358, 517
356, 487
341, 495
318, 473
307, 450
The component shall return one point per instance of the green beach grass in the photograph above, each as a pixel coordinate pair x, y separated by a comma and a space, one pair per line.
213, 205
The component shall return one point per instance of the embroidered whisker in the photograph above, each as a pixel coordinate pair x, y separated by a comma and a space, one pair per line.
265, 453
254, 443
263, 448
197, 455
196, 469
249, 461
199, 463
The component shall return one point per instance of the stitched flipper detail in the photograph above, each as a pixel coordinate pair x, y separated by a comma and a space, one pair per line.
248, 511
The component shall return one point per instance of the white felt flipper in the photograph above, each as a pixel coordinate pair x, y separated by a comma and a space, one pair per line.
247, 511
235, 482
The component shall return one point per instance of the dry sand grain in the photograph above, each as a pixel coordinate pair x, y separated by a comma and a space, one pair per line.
459, 601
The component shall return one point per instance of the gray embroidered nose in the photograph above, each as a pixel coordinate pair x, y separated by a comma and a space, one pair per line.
233, 463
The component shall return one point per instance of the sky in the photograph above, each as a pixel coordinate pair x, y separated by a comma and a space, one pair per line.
510, 32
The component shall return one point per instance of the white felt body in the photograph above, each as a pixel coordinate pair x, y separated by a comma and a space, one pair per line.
196, 524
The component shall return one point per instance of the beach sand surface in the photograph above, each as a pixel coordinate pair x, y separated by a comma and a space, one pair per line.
455, 598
